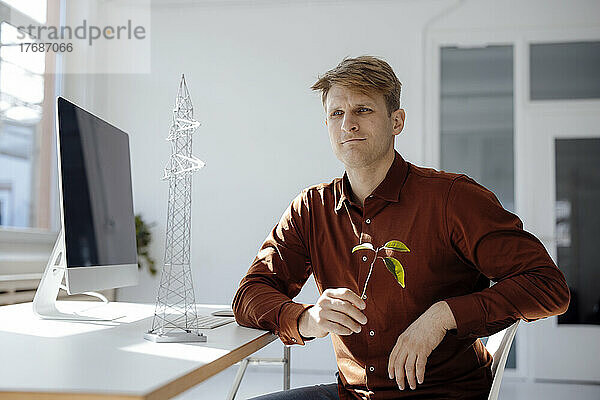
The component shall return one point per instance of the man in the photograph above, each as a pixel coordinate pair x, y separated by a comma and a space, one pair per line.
404, 319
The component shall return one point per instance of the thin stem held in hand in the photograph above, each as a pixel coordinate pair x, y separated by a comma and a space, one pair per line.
362, 296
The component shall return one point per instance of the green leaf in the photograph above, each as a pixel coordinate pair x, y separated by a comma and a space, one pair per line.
395, 268
396, 245
143, 236
389, 265
363, 246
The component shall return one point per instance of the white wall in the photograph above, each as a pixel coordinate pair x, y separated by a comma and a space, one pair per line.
249, 69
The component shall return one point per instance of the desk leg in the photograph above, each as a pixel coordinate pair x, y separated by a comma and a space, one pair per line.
286, 367
238, 379
244, 364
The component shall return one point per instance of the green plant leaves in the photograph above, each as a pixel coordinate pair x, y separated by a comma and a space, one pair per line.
143, 237
395, 268
396, 245
392, 264
363, 246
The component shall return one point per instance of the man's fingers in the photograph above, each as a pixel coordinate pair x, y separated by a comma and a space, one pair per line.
338, 312
349, 309
421, 362
348, 295
399, 369
334, 327
392, 361
342, 319
409, 367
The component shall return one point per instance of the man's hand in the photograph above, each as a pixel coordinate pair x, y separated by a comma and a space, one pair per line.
337, 311
416, 343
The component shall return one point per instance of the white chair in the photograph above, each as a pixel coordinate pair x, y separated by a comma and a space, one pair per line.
499, 345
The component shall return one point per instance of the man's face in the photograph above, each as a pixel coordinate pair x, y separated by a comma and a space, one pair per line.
361, 130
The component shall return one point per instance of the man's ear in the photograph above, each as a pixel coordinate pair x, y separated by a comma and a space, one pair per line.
398, 118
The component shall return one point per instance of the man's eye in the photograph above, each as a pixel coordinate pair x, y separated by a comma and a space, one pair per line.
337, 112
364, 109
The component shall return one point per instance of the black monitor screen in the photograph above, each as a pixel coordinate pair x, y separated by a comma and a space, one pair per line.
97, 202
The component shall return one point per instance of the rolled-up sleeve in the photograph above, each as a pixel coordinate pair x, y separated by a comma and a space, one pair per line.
528, 284
278, 272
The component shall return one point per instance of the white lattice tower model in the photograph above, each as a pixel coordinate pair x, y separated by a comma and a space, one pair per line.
175, 304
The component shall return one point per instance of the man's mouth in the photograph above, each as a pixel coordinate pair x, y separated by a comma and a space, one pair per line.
353, 140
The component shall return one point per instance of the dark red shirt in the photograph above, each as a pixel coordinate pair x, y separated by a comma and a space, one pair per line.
459, 237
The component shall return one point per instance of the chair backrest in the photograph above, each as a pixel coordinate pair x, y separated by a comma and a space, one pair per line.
499, 345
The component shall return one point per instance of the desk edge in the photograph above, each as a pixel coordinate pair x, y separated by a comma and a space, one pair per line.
206, 371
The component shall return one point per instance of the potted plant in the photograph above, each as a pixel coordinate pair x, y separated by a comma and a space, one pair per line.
143, 237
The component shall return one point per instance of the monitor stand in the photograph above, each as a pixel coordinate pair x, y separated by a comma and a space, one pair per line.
44, 302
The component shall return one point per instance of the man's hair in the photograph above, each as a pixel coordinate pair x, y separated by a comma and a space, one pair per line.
365, 74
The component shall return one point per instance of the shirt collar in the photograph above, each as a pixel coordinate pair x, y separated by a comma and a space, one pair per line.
389, 189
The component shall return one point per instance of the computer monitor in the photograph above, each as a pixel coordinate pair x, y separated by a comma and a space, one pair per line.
96, 245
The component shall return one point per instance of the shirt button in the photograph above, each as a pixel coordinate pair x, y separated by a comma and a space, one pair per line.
365, 258
372, 333
368, 221
371, 368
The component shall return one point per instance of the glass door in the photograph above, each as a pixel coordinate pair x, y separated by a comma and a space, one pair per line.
520, 112
560, 154
564, 192
577, 216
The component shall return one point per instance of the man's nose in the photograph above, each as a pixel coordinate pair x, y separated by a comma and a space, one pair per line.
349, 124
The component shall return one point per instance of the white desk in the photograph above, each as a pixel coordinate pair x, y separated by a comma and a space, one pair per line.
43, 359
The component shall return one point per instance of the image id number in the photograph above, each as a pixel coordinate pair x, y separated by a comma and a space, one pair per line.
46, 47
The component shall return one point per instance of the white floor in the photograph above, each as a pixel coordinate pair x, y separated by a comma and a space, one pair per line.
264, 379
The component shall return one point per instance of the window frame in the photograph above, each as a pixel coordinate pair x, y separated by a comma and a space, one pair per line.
25, 250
